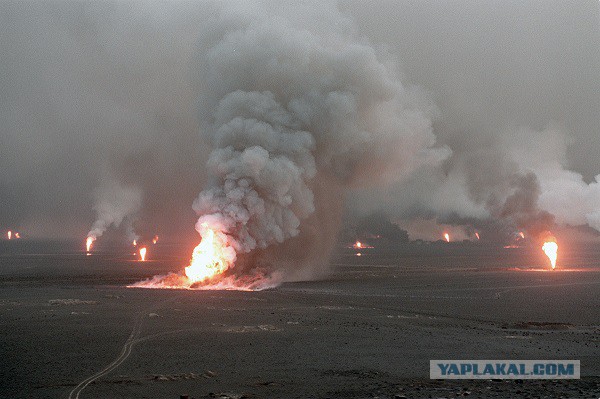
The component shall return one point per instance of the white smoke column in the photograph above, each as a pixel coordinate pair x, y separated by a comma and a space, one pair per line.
114, 203
289, 92
564, 193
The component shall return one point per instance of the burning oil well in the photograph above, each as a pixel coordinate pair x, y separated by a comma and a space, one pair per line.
297, 107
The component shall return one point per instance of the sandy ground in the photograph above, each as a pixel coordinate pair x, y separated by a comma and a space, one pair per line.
368, 330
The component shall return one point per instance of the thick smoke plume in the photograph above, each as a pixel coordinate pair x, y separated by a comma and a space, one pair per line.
291, 96
130, 84
517, 94
520, 181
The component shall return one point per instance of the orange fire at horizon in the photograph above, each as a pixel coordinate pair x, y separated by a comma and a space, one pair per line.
447, 237
360, 245
88, 243
550, 248
143, 254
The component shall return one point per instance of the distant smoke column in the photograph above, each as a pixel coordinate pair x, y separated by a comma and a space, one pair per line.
287, 97
115, 202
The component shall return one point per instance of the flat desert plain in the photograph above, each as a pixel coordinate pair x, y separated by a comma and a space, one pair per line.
70, 328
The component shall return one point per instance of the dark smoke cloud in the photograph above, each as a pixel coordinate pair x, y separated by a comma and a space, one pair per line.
375, 229
521, 207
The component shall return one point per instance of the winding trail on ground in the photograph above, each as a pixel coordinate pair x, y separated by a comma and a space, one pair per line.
125, 352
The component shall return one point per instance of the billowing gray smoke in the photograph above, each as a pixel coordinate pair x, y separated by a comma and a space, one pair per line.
291, 94
114, 204
516, 181
130, 84
517, 92
262, 163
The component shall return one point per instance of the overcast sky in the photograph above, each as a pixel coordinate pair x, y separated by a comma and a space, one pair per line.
96, 89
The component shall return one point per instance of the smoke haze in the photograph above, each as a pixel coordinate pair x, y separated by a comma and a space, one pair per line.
290, 119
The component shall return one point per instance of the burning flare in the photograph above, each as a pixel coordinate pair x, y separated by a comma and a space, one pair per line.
550, 248
210, 258
134, 243
143, 254
360, 245
521, 234
88, 243
17, 235
155, 240
477, 235
447, 237
9, 234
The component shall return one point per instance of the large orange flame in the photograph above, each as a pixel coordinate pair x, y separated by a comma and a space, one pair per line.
88, 243
214, 256
143, 254
208, 259
550, 248
447, 237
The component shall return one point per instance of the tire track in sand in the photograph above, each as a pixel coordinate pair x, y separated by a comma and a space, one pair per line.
125, 352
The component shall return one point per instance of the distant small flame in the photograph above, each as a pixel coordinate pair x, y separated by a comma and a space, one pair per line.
359, 254
9, 235
360, 245
155, 240
143, 254
88, 243
477, 235
447, 237
134, 243
550, 248
17, 235
521, 234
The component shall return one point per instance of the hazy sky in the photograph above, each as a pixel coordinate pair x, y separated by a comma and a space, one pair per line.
109, 90
494, 65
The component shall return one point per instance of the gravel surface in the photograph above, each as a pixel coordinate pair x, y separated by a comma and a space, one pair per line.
366, 331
